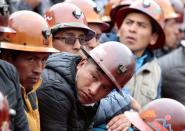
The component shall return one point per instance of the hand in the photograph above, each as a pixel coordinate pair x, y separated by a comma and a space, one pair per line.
119, 123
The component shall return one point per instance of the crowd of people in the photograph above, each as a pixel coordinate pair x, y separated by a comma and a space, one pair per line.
92, 65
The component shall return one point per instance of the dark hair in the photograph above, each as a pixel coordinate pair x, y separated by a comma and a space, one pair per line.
155, 27
9, 53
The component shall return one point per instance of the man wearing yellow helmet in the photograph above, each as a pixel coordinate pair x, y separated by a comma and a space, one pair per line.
28, 51
9, 80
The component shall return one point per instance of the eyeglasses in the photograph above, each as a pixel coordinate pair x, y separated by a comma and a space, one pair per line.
71, 40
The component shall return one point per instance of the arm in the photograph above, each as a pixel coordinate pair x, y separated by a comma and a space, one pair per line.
54, 107
19, 121
120, 122
112, 105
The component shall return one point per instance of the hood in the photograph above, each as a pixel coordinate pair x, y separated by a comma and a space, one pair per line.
64, 64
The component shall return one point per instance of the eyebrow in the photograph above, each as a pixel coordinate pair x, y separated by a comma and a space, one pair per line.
72, 34
68, 33
97, 72
36, 56
139, 22
103, 74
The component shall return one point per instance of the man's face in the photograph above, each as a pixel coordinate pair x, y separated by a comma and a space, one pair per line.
95, 41
92, 84
64, 44
171, 31
30, 66
136, 32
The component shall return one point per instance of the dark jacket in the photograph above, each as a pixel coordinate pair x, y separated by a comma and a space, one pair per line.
173, 74
9, 86
59, 106
40, 8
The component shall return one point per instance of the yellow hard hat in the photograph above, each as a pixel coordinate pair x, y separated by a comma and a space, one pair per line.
32, 33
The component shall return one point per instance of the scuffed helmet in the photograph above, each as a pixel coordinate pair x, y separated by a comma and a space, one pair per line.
117, 6
160, 115
152, 10
116, 61
66, 16
91, 11
32, 33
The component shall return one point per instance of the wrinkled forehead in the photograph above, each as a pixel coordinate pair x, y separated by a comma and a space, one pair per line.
138, 16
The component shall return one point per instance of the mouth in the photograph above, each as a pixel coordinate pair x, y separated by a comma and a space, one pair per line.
130, 39
34, 79
86, 97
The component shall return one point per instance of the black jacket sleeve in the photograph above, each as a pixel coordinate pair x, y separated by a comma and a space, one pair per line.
10, 87
21, 123
54, 107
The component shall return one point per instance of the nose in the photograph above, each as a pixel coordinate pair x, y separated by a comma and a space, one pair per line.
176, 30
94, 88
39, 66
77, 45
132, 28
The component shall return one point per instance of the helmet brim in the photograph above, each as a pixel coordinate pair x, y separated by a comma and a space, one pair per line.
135, 119
89, 33
123, 12
116, 9
8, 45
103, 26
6, 30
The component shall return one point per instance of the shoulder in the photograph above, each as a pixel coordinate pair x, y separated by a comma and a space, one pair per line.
152, 67
55, 97
7, 67
173, 59
58, 90
8, 70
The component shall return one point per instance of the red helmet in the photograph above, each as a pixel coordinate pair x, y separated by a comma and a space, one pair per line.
119, 5
115, 59
4, 113
152, 10
161, 115
26, 38
67, 15
91, 11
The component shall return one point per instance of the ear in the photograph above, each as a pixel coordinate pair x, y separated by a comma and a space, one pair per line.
153, 39
81, 63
